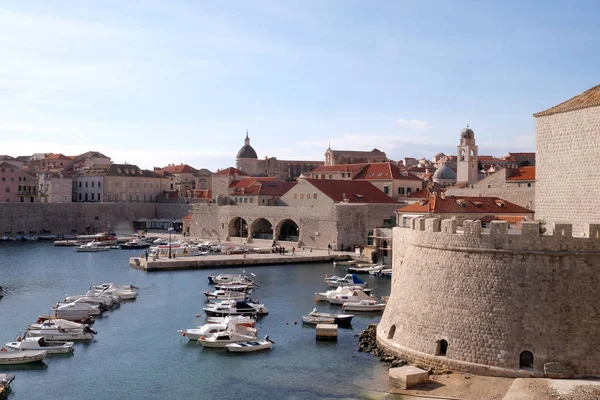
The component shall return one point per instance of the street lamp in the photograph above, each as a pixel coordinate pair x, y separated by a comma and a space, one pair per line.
170, 229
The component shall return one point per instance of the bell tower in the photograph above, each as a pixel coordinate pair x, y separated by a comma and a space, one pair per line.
467, 160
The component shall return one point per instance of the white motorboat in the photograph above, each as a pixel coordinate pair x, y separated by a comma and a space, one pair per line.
160, 241
21, 357
92, 247
375, 269
234, 307
63, 331
307, 319
135, 243
340, 319
238, 287
106, 300
176, 251
207, 330
348, 280
226, 295
76, 309
353, 296
364, 305
237, 319
247, 347
221, 339
230, 278
344, 263
340, 290
125, 292
39, 343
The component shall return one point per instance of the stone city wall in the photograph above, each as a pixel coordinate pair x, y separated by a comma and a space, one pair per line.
493, 296
567, 166
81, 217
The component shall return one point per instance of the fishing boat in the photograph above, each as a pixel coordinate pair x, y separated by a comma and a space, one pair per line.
339, 291
92, 247
60, 332
230, 278
237, 319
347, 280
234, 307
209, 329
221, 339
340, 319
226, 295
307, 319
361, 268
364, 305
238, 287
247, 347
135, 243
125, 292
76, 309
352, 296
21, 357
39, 343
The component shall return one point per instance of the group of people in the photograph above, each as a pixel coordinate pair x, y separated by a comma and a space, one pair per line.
281, 250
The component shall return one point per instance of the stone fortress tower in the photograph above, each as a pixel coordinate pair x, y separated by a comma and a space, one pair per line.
467, 160
513, 304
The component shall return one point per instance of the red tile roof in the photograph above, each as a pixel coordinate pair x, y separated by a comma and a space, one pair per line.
354, 191
384, 171
522, 174
589, 98
264, 188
245, 182
462, 205
508, 218
56, 156
179, 169
198, 194
231, 171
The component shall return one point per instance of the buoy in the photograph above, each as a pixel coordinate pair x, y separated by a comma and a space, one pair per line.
295, 323
183, 334
197, 315
317, 300
287, 323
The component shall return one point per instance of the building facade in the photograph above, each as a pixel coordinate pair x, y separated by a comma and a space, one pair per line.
467, 172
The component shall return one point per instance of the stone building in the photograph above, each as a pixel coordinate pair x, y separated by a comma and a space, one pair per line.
337, 157
467, 169
28, 186
55, 187
9, 183
567, 139
183, 176
284, 170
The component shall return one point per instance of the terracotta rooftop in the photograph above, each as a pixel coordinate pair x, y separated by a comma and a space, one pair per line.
179, 169
245, 182
384, 171
354, 191
464, 204
264, 188
90, 154
56, 156
522, 174
508, 218
231, 171
589, 98
198, 194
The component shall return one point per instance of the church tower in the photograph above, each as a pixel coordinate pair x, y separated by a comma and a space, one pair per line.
467, 161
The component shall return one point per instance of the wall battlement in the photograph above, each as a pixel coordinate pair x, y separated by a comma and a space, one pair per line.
435, 232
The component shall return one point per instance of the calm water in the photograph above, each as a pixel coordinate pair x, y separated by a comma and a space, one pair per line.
138, 354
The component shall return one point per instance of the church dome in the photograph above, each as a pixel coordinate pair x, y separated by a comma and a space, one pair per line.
467, 133
247, 152
444, 173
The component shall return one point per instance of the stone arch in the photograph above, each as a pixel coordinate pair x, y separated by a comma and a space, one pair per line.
472, 153
462, 155
261, 228
238, 227
392, 332
526, 359
288, 231
442, 347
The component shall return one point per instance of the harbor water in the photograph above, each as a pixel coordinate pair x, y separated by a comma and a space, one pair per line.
138, 353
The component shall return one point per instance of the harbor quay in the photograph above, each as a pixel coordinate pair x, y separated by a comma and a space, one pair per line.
223, 260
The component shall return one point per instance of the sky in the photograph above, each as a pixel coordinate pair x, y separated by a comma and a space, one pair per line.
154, 82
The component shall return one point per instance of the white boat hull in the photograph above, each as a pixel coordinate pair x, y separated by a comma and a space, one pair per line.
377, 307
21, 357
59, 349
247, 347
60, 337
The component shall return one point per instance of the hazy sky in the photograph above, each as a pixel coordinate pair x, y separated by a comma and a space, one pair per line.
158, 82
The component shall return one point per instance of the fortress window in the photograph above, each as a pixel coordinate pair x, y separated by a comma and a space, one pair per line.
442, 347
392, 332
526, 359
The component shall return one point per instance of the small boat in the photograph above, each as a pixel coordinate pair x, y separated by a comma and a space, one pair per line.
233, 286
5, 380
360, 268
221, 339
125, 292
38, 343
226, 295
55, 332
375, 269
230, 278
340, 319
237, 319
234, 307
135, 243
364, 305
348, 280
91, 247
77, 309
344, 263
86, 321
21, 357
325, 296
247, 347
352, 296
307, 319
208, 330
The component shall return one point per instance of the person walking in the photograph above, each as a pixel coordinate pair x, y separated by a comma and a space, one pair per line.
293, 251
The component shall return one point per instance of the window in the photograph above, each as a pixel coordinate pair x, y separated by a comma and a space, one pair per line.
79, 184
79, 195
308, 196
302, 195
329, 176
442, 347
343, 175
386, 189
144, 197
400, 190
92, 196
99, 184
263, 200
92, 184
314, 195
86, 184
245, 199
12, 179
295, 195
86, 197
529, 184
251, 200
392, 332
7, 190
408, 190
65, 198
3, 179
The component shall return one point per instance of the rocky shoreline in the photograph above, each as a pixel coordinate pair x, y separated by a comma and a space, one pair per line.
367, 343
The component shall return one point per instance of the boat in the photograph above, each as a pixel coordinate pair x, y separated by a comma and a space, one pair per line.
76, 309
39, 343
59, 334
234, 307
352, 296
160, 241
247, 347
364, 305
344, 263
230, 279
375, 269
125, 292
176, 250
307, 319
386, 273
237, 319
238, 287
221, 339
30, 237
340, 290
135, 243
106, 300
5, 380
104, 238
62, 323
21, 357
340, 319
226, 295
209, 329
360, 268
92, 247
347, 280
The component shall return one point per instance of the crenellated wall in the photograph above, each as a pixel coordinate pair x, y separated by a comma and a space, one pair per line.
492, 295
